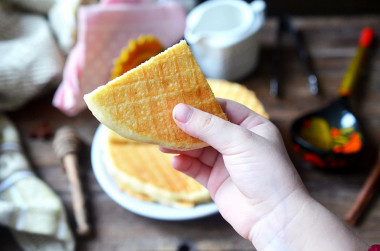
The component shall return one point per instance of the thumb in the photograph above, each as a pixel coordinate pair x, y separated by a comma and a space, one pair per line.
222, 135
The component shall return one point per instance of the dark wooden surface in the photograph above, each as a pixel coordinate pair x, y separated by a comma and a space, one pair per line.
332, 43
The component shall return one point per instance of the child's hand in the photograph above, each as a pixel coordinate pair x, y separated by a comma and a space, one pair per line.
246, 169
253, 182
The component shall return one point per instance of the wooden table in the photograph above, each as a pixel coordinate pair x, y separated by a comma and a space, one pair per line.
332, 43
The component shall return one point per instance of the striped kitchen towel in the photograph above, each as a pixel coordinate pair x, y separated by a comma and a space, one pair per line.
28, 207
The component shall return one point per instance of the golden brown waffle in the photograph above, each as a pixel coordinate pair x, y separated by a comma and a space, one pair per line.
227, 90
116, 138
239, 93
144, 172
138, 105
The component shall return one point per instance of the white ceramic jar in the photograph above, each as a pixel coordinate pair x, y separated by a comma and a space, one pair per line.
224, 37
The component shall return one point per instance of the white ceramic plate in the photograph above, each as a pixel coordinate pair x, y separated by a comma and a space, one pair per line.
147, 209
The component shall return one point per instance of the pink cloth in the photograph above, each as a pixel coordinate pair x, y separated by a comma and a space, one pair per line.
103, 30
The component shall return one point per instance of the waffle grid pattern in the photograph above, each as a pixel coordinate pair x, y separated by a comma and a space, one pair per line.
143, 102
149, 165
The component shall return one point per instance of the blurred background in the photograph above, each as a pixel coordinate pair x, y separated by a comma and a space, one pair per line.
52, 52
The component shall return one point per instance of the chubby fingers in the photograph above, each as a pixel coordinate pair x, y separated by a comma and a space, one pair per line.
206, 155
222, 135
240, 114
210, 177
192, 167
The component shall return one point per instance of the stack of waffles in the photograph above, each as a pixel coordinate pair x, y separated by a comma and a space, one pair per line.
144, 172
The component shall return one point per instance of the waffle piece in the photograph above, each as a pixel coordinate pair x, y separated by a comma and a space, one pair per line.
227, 90
138, 105
116, 138
239, 93
145, 173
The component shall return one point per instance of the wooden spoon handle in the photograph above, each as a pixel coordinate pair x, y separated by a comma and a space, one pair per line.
71, 166
365, 195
